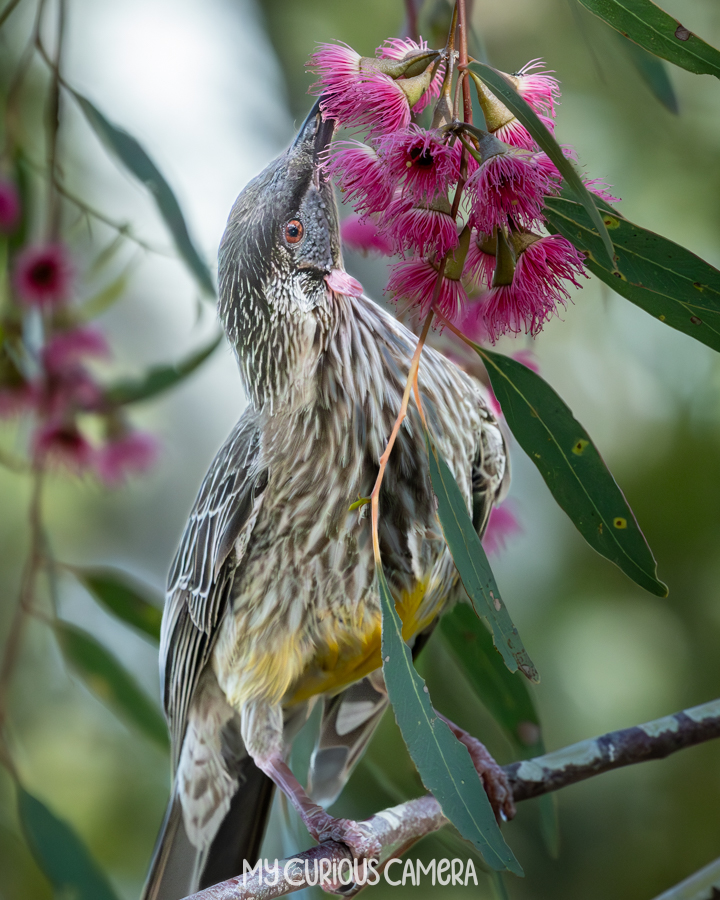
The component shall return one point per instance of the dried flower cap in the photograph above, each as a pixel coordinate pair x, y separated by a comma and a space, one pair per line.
43, 275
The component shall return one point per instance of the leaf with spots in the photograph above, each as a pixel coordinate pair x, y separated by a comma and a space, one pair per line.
60, 853
109, 681
659, 276
443, 763
651, 27
472, 564
572, 467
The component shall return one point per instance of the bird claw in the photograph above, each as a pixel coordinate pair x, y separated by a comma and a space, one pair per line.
357, 836
494, 780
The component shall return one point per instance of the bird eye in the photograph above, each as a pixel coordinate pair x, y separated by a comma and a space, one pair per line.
294, 231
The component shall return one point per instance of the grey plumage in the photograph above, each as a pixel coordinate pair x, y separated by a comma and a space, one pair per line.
271, 598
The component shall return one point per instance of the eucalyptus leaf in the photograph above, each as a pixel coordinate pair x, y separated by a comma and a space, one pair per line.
443, 763
651, 27
124, 599
109, 681
505, 91
572, 468
59, 852
132, 155
654, 73
104, 298
672, 284
473, 566
159, 378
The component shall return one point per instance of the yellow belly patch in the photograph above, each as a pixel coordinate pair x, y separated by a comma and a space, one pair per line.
339, 664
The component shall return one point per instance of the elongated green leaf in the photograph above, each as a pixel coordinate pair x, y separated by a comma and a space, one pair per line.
104, 298
443, 763
60, 853
505, 694
504, 90
654, 73
115, 591
652, 28
135, 159
473, 566
109, 681
159, 378
659, 276
572, 468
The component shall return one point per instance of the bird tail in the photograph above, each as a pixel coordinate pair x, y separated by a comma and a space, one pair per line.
179, 868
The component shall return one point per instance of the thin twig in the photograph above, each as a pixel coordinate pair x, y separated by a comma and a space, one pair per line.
7, 12
412, 20
397, 829
54, 207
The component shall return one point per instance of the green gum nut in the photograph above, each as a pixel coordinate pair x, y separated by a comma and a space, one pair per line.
455, 262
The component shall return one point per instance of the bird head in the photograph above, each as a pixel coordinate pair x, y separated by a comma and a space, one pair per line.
281, 241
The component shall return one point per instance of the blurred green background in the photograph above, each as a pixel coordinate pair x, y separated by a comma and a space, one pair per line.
212, 90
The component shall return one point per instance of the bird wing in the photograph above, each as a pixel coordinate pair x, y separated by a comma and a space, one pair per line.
204, 568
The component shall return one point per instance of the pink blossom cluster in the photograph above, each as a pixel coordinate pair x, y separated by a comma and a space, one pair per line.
54, 383
448, 196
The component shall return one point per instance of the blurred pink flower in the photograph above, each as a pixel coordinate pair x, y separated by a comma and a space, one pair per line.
502, 524
130, 454
362, 234
43, 275
63, 444
67, 348
18, 399
414, 280
9, 206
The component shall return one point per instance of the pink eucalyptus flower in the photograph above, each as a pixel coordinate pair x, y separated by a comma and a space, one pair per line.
472, 323
66, 348
502, 524
508, 186
360, 175
9, 206
356, 93
420, 160
596, 186
130, 454
419, 229
528, 359
538, 287
43, 275
62, 443
601, 189
400, 48
362, 235
539, 89
480, 265
341, 283
414, 280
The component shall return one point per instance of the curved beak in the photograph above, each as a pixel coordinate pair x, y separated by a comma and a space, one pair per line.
315, 132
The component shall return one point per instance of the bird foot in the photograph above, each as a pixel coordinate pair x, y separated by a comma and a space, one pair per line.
494, 780
357, 836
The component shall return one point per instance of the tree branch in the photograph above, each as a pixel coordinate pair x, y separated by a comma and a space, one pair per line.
398, 828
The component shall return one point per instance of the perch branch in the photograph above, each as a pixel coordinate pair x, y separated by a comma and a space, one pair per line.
397, 829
